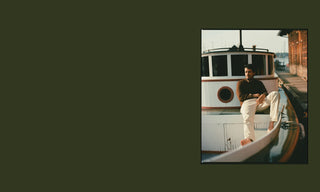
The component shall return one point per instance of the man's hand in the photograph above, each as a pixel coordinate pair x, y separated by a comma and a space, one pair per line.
256, 95
260, 99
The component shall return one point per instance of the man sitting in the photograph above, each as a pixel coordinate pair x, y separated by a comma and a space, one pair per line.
254, 97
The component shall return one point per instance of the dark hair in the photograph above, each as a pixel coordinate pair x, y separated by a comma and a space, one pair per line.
250, 66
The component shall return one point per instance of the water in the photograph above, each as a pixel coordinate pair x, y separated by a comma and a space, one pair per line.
282, 60
205, 156
284, 63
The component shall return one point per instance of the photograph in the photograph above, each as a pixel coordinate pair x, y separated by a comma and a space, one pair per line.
254, 96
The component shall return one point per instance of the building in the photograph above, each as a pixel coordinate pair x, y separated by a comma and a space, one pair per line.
298, 51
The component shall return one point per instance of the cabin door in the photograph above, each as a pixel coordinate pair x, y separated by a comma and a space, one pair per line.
233, 134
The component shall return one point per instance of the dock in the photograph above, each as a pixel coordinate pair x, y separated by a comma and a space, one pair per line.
296, 89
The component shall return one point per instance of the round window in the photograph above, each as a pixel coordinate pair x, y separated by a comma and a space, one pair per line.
225, 94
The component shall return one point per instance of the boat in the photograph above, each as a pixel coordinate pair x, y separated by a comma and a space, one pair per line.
221, 120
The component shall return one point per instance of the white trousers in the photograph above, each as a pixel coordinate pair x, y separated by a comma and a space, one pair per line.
249, 108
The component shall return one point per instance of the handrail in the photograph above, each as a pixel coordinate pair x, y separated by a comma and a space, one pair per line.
255, 49
235, 49
213, 50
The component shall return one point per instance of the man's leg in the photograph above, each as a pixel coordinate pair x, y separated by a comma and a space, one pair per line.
274, 98
271, 100
248, 110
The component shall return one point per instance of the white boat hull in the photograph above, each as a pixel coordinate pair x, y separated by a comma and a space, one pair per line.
244, 152
221, 133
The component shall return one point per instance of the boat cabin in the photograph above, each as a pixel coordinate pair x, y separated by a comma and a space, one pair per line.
222, 68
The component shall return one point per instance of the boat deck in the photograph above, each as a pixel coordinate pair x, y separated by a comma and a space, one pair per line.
283, 145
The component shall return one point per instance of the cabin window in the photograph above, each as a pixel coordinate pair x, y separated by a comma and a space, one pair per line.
204, 66
259, 62
219, 65
270, 65
237, 63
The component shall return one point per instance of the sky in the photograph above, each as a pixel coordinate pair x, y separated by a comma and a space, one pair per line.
267, 39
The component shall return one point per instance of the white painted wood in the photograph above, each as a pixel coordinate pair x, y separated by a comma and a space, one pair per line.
229, 66
209, 92
224, 132
210, 66
244, 152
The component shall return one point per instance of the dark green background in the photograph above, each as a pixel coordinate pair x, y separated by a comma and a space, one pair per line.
107, 95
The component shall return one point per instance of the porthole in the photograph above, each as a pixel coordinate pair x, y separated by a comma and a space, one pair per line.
225, 94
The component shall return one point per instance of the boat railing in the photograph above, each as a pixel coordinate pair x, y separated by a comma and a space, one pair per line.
244, 152
235, 49
215, 50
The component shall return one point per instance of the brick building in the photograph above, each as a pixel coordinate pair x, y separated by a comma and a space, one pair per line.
298, 51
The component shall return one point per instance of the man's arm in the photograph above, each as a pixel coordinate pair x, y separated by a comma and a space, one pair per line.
262, 89
263, 93
260, 99
242, 92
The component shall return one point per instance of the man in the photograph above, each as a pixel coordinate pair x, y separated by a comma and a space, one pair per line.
254, 97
